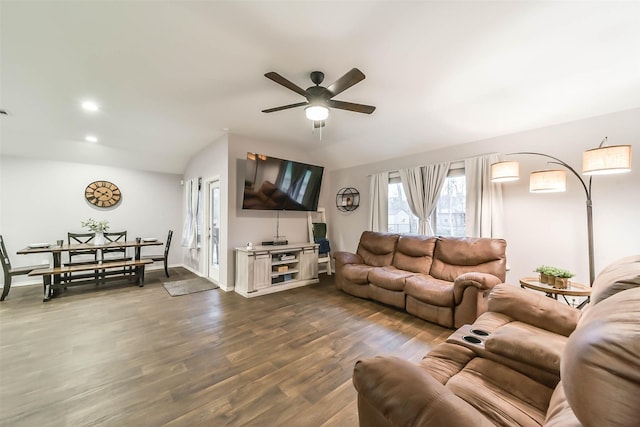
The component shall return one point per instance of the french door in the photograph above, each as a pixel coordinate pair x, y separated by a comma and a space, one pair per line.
213, 232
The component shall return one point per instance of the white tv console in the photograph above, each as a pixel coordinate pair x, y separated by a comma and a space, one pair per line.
262, 270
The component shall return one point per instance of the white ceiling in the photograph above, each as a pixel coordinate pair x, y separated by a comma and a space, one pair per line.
172, 77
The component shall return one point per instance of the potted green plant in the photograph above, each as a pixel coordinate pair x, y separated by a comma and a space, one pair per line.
542, 270
562, 278
552, 273
98, 227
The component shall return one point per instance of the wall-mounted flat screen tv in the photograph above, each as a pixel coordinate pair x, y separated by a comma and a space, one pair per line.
276, 184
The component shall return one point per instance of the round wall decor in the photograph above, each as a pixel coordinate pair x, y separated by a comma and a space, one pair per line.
103, 194
347, 199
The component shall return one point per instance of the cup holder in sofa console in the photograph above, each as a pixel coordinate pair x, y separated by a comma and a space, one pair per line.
472, 340
480, 332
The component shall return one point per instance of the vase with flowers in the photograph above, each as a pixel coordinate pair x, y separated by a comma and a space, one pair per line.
98, 227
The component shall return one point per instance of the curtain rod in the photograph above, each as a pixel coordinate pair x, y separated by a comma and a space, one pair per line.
452, 162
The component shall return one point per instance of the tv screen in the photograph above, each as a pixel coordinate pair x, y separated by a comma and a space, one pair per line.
276, 184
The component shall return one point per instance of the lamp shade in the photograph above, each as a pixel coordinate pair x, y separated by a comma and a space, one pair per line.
505, 171
548, 181
607, 160
316, 112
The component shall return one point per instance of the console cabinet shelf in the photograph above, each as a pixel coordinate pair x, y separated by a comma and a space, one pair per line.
262, 270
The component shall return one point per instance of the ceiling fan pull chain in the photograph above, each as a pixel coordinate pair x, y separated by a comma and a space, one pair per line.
314, 127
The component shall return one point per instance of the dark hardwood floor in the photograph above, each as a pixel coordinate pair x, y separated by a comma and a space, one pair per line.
130, 356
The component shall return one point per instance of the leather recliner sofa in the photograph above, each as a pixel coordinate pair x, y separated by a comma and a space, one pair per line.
444, 280
533, 361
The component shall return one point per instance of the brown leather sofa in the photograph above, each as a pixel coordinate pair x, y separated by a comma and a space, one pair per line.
444, 280
542, 363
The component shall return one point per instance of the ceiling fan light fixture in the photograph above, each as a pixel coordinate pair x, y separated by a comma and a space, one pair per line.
316, 113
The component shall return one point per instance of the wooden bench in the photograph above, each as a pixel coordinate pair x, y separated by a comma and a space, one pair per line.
98, 272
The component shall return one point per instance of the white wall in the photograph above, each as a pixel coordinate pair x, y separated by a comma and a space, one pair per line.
539, 228
41, 200
210, 163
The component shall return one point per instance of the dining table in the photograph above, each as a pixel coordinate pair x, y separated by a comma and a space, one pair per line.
57, 249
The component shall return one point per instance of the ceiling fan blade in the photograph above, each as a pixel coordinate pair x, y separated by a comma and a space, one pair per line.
318, 124
358, 108
286, 83
284, 107
345, 82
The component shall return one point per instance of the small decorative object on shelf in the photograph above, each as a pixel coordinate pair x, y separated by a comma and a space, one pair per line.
347, 199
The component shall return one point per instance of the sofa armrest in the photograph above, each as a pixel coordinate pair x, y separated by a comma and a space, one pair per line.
343, 258
534, 308
405, 395
482, 281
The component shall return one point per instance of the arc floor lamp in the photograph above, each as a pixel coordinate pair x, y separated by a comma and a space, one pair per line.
603, 160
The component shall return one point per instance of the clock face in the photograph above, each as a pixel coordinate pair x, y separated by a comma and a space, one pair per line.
103, 194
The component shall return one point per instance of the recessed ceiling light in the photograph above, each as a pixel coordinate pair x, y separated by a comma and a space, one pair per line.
91, 138
90, 106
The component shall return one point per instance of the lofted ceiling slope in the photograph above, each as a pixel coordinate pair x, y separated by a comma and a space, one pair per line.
172, 77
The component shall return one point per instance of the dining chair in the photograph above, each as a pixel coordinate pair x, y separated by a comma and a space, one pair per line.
9, 271
84, 254
162, 257
121, 253
75, 238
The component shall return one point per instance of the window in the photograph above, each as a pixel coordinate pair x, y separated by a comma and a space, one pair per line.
401, 219
448, 219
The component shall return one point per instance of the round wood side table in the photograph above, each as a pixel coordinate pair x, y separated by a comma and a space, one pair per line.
573, 289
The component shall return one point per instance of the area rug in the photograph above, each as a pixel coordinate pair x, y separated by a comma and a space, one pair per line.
190, 286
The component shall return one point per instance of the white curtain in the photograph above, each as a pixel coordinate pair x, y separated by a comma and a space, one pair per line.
484, 216
413, 186
422, 187
192, 205
378, 202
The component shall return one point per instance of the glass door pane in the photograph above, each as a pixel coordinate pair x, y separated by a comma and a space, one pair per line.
214, 230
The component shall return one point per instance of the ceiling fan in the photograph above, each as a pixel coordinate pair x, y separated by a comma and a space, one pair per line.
319, 98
